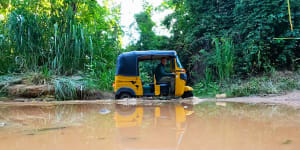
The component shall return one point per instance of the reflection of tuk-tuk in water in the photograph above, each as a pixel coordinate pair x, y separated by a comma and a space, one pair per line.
160, 127
128, 82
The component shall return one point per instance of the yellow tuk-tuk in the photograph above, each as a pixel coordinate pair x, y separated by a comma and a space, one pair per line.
128, 82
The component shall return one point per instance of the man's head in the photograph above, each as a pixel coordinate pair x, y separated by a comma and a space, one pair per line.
163, 60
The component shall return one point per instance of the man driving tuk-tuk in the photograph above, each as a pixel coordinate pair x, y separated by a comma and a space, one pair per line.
128, 82
162, 76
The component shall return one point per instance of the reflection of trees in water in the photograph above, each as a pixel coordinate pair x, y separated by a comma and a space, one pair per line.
56, 115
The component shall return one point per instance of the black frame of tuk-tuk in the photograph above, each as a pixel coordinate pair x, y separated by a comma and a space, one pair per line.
127, 63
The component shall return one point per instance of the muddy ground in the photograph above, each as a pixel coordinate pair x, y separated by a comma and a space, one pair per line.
290, 99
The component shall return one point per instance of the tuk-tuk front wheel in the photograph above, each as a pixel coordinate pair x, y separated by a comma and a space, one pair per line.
124, 95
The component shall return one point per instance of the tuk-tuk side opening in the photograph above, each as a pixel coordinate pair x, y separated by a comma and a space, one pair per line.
147, 68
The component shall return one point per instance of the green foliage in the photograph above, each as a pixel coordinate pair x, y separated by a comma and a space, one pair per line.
106, 80
206, 87
59, 36
234, 39
223, 60
147, 69
229, 38
148, 40
251, 26
100, 79
222, 63
203, 89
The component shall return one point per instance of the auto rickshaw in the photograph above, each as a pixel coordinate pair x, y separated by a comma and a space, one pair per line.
128, 82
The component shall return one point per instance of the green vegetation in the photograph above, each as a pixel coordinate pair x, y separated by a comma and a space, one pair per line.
65, 89
148, 40
61, 37
234, 41
226, 46
250, 26
276, 83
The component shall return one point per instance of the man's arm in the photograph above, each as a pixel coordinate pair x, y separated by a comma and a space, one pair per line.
163, 72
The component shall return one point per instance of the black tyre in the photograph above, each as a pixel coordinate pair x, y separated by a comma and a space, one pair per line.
187, 94
124, 95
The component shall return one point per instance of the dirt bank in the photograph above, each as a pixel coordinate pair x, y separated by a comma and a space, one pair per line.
33, 87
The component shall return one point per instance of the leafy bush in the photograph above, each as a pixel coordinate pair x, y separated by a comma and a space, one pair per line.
206, 87
202, 89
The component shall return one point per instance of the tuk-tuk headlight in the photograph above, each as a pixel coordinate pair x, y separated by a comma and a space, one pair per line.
183, 76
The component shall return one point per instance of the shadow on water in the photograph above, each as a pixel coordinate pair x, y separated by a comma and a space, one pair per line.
207, 125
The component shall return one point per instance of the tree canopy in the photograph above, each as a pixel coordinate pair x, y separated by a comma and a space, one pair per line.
251, 25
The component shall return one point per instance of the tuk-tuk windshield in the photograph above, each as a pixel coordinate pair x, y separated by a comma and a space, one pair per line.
178, 63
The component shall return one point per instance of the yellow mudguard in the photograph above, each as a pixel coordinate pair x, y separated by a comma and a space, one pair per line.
188, 88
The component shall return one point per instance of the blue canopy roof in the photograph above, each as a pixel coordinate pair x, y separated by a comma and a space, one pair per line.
127, 63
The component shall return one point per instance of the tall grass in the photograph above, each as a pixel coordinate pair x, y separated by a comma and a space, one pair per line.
35, 44
65, 89
219, 68
63, 41
224, 59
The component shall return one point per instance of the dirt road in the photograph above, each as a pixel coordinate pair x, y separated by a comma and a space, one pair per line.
290, 99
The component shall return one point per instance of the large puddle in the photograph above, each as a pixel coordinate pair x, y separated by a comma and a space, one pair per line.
178, 126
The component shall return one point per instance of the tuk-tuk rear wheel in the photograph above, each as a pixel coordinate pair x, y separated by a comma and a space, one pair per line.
124, 95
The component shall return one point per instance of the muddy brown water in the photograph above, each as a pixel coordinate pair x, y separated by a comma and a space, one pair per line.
160, 126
